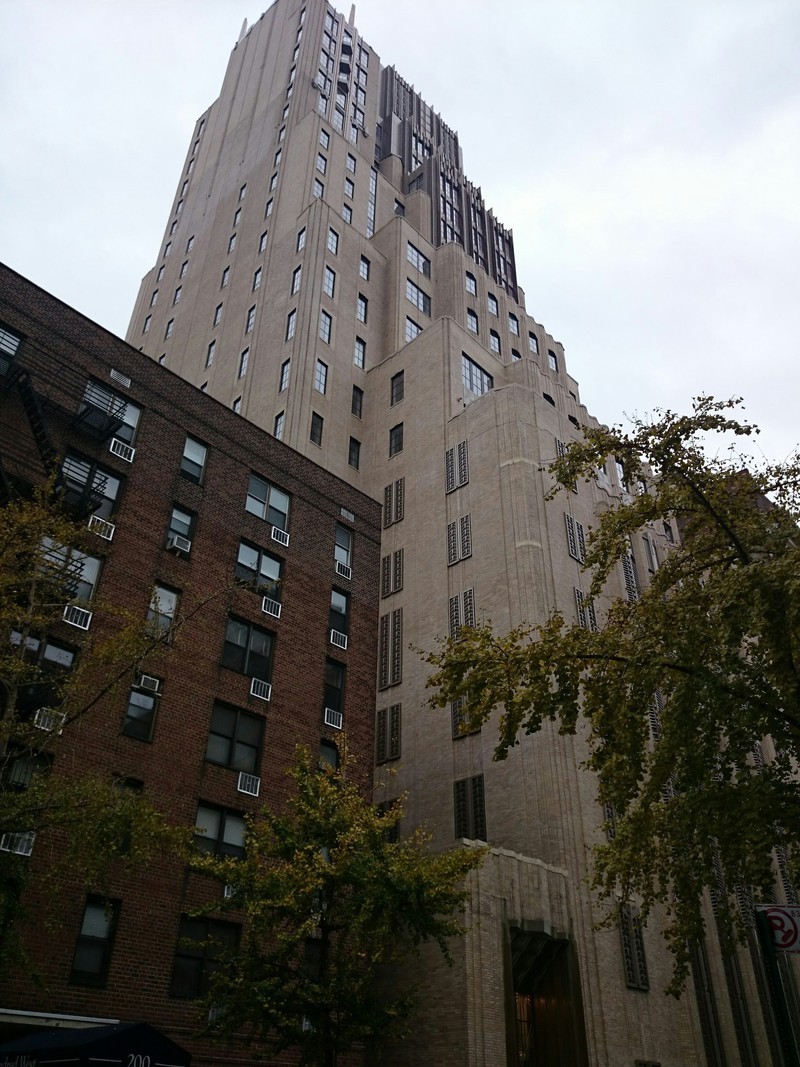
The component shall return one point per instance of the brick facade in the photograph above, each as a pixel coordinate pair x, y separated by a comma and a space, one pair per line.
61, 351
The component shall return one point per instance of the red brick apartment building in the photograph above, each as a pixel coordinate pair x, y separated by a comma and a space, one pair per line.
184, 497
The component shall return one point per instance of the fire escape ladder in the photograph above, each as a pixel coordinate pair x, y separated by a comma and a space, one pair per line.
33, 409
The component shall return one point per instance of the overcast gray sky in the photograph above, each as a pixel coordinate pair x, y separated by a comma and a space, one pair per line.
646, 154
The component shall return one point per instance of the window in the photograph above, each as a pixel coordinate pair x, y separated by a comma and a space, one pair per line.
343, 548
394, 496
360, 352
472, 321
670, 536
140, 715
552, 360
232, 242
210, 353
324, 138
322, 163
219, 831
257, 279
362, 307
587, 619
154, 298
354, 453
390, 649
291, 324
396, 439
277, 159
633, 956
273, 184
513, 324
418, 298
300, 244
277, 427
494, 341
392, 573
576, 538
459, 721
243, 361
418, 260
225, 275
95, 941
237, 215
349, 188
242, 192
194, 460
147, 322
168, 331
173, 228
413, 329
262, 241
329, 282
339, 612
267, 502
167, 249
89, 488
461, 611
181, 523
160, 275
161, 613
459, 539
469, 808
472, 287
284, 379
297, 277
456, 467
317, 423
533, 344
363, 268
491, 302
357, 403
99, 397
321, 377
474, 377
217, 315
251, 318
347, 213
247, 649
319, 189
333, 697
515, 356
234, 739
387, 733
351, 163
397, 388
325, 326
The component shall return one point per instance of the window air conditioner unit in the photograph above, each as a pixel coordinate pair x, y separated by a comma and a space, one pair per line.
333, 718
149, 683
124, 451
281, 536
249, 783
262, 690
102, 527
19, 843
338, 639
50, 720
176, 543
75, 616
343, 570
271, 607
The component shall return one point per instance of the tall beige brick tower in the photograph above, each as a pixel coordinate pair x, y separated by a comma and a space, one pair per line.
328, 271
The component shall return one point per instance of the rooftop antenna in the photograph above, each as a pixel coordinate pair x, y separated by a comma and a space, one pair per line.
242, 32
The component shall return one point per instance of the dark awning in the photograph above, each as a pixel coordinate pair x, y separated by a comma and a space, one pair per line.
95, 1044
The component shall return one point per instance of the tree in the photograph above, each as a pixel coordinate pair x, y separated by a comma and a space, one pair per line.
683, 681
330, 895
47, 685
